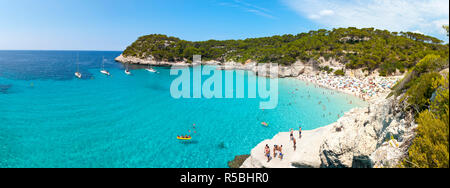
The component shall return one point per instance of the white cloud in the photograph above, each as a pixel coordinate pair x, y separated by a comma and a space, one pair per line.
248, 7
321, 14
417, 31
326, 12
260, 13
426, 16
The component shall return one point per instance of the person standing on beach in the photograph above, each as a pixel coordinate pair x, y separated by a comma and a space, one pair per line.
299, 132
280, 149
291, 134
295, 144
267, 152
275, 148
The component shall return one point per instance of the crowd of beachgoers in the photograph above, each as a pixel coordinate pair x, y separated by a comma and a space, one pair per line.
366, 89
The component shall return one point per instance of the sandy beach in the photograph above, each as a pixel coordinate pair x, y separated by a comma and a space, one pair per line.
368, 89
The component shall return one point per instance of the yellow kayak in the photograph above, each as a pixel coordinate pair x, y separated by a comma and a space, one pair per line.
181, 138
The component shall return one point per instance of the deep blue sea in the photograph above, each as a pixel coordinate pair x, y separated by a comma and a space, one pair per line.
48, 118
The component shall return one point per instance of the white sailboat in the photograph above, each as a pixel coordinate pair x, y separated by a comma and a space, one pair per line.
127, 71
103, 71
78, 74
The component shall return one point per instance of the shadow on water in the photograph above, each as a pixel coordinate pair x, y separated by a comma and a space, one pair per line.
86, 76
157, 87
222, 145
189, 142
4, 89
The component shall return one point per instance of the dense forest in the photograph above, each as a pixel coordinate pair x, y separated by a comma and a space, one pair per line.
366, 48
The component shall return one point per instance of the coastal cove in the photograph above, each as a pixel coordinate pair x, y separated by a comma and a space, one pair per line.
374, 136
51, 119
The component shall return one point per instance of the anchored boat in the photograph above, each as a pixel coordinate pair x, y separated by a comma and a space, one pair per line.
127, 71
103, 71
78, 74
149, 69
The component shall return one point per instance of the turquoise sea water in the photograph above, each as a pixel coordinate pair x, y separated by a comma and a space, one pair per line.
50, 119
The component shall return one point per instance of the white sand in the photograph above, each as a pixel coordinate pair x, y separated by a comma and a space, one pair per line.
308, 147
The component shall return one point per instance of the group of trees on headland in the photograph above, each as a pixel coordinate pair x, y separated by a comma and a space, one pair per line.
366, 48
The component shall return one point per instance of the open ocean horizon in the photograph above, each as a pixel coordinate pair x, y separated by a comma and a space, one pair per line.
48, 118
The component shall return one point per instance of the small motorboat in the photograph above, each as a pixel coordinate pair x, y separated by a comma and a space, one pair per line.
149, 69
105, 72
127, 72
78, 75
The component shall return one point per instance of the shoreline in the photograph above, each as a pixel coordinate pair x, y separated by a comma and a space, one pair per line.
367, 87
360, 139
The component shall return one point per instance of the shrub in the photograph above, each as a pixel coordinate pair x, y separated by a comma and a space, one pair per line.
430, 148
421, 90
339, 73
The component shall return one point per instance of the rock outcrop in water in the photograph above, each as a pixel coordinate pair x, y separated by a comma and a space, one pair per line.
237, 161
377, 136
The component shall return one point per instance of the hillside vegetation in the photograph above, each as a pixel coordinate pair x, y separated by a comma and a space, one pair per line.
358, 48
425, 91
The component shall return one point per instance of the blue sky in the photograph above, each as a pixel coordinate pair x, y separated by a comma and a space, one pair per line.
114, 24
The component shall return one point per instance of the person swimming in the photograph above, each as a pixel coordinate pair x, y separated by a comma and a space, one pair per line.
186, 136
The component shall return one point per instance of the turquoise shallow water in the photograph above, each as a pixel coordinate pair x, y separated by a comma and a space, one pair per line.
50, 119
